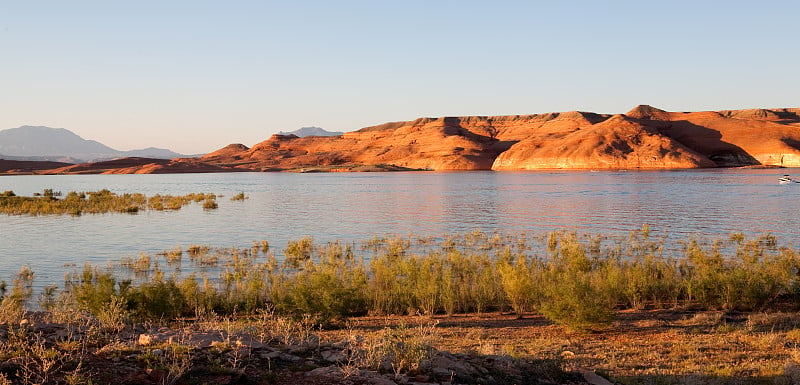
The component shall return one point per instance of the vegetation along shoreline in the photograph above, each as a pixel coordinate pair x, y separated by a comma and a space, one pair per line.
409, 292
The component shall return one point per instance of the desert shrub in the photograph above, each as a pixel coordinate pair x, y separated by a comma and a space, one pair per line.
575, 292
298, 251
400, 349
330, 286
93, 289
517, 280
210, 204
758, 275
93, 202
485, 286
574, 300
705, 270
406, 284
13, 302
158, 298
389, 289
244, 282
576, 281
469, 283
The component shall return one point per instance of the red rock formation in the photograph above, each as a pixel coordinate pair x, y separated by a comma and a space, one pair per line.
141, 166
27, 166
685, 140
616, 143
643, 138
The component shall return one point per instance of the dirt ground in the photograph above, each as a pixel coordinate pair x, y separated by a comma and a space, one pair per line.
640, 347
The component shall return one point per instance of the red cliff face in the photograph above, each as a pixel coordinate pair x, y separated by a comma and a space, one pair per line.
643, 138
616, 143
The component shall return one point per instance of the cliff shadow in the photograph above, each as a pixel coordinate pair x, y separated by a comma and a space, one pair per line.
705, 141
491, 146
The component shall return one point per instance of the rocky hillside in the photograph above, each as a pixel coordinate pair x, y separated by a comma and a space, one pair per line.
643, 138
135, 165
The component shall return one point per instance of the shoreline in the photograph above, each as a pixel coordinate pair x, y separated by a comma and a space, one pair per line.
148, 167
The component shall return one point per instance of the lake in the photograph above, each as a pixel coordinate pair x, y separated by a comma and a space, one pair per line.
358, 206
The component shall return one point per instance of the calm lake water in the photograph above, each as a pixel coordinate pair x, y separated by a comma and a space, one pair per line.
358, 206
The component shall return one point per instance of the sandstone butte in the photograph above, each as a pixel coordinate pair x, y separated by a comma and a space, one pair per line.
643, 138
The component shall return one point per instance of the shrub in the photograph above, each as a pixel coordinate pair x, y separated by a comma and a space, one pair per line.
298, 251
516, 277
210, 204
77, 203
578, 282
575, 292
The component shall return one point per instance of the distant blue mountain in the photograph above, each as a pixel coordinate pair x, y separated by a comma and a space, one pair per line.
58, 144
311, 131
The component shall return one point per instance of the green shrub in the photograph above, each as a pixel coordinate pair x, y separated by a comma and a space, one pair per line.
576, 281
95, 202
517, 279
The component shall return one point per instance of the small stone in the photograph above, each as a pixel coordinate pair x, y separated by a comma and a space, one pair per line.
145, 339
332, 356
594, 379
441, 372
157, 375
325, 371
272, 355
422, 378
298, 350
289, 357
157, 352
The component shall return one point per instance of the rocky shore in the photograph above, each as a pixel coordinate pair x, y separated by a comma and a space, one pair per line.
44, 348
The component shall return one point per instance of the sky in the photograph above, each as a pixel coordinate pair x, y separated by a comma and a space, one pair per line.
194, 76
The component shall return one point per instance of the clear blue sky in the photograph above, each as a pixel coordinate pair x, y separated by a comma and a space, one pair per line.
194, 76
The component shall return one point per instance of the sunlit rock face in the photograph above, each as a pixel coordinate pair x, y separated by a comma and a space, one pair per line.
643, 138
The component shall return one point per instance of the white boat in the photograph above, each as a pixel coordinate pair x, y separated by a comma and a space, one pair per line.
786, 179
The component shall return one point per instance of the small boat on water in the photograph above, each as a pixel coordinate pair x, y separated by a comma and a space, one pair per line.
786, 179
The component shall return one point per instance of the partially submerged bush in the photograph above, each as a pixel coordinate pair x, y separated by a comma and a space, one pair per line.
13, 302
94, 202
576, 281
